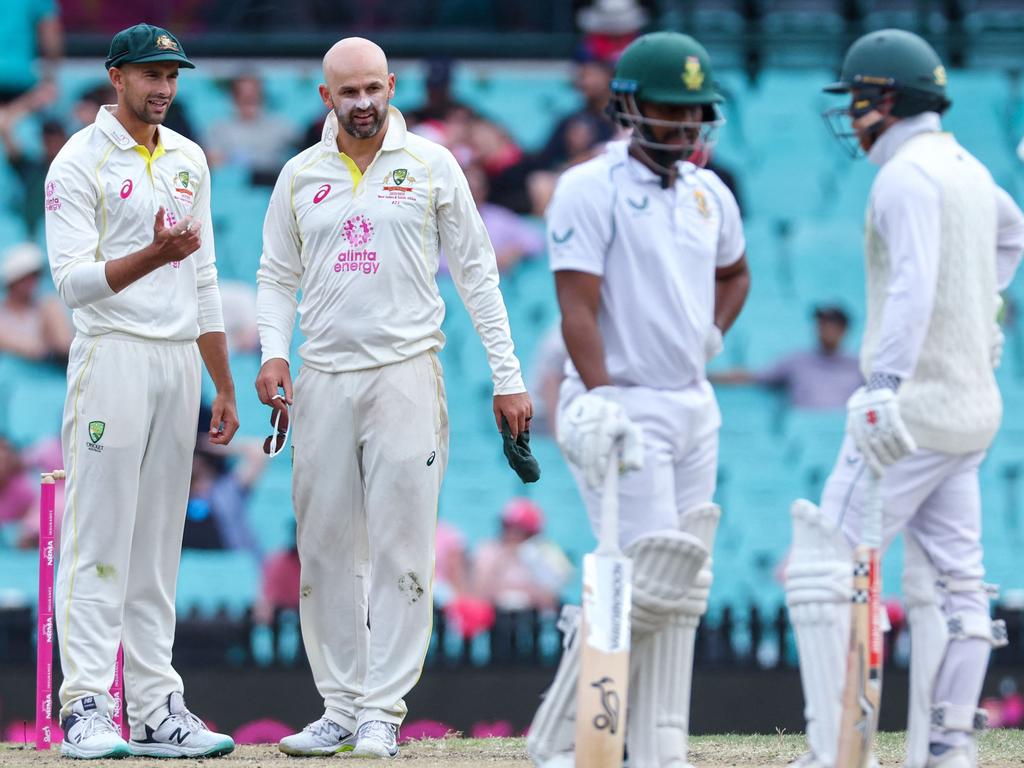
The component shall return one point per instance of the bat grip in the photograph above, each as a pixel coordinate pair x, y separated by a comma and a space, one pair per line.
608, 536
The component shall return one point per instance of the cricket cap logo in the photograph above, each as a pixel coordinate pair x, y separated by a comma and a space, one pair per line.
165, 43
183, 178
96, 429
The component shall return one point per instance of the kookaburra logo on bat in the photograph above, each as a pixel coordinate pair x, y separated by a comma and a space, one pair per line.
609, 718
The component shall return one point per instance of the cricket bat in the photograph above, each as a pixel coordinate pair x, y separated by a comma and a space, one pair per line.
862, 695
604, 651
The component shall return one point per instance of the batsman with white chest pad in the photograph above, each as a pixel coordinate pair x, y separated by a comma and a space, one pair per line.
130, 242
941, 241
648, 254
357, 222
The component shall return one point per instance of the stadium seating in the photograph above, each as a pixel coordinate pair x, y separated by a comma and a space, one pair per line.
805, 205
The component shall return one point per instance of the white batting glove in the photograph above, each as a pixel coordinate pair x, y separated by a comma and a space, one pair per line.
591, 427
873, 421
713, 344
995, 349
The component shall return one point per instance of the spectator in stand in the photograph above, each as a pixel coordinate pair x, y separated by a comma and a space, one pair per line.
218, 496
439, 102
31, 46
43, 456
578, 135
823, 378
545, 380
31, 170
32, 328
281, 582
520, 570
251, 138
505, 164
89, 102
609, 26
239, 303
17, 492
451, 564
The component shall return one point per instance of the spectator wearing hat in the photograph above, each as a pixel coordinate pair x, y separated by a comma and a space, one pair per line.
519, 569
610, 26
31, 327
820, 379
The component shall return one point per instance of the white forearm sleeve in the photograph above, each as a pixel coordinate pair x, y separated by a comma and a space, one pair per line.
211, 315
275, 316
84, 283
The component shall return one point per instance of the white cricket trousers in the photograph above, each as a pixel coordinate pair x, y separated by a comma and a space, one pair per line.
128, 435
369, 453
680, 457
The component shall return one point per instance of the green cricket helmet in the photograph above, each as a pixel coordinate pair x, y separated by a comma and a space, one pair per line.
667, 68
889, 61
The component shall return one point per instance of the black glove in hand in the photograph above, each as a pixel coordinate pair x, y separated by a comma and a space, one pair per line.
518, 454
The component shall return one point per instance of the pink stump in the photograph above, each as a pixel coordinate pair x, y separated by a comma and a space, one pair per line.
44, 629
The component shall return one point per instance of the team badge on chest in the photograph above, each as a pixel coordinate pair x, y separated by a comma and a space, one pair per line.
184, 185
398, 186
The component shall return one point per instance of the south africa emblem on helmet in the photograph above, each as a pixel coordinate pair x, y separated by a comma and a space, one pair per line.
693, 76
940, 76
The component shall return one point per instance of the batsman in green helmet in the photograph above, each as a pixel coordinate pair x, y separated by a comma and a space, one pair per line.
648, 253
941, 242
663, 89
889, 74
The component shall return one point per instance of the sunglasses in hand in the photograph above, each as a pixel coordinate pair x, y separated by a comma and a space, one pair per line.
281, 425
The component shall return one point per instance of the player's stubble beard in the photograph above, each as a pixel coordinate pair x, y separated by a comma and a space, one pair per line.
140, 107
347, 119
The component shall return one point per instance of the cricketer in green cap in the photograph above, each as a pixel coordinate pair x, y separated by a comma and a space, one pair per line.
143, 67
663, 89
144, 43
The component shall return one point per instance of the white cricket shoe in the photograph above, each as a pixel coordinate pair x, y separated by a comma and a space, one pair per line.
954, 757
375, 738
181, 734
810, 760
89, 733
324, 737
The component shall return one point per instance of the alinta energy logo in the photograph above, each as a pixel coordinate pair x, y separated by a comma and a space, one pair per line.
358, 231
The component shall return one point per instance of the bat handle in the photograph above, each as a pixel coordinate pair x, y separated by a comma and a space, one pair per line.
608, 536
871, 533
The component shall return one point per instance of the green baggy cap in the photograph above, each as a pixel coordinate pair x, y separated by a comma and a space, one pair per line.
143, 43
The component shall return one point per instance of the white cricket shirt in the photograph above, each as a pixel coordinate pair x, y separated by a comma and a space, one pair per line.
363, 249
657, 251
103, 191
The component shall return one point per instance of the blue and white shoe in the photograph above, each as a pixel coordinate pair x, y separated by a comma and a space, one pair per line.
181, 734
89, 733
324, 737
375, 738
